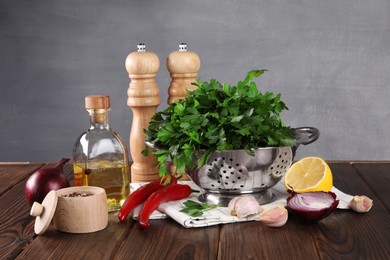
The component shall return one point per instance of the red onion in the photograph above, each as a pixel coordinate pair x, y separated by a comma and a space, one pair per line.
44, 180
312, 206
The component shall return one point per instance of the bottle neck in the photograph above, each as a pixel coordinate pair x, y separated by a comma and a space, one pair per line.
98, 118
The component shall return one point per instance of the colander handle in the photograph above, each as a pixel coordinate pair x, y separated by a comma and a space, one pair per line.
306, 135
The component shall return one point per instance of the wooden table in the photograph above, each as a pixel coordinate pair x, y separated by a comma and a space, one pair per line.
343, 235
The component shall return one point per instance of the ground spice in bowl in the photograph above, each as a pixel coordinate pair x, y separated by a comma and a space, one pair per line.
77, 194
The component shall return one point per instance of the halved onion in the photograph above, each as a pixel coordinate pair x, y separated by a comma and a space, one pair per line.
312, 206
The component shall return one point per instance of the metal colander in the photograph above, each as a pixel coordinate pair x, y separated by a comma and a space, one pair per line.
234, 172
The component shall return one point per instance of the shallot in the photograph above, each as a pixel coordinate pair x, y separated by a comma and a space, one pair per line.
244, 206
312, 206
44, 180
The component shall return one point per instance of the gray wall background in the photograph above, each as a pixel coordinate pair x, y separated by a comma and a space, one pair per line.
329, 59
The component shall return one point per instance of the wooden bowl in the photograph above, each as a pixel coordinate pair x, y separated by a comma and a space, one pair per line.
72, 213
81, 214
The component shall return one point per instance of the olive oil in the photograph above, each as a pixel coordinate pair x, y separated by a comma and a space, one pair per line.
100, 156
107, 175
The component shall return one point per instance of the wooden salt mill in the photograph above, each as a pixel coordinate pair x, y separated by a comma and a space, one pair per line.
143, 98
183, 66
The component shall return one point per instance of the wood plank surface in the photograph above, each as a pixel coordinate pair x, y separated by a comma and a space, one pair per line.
350, 235
16, 227
166, 239
343, 235
11, 174
371, 175
253, 240
54, 244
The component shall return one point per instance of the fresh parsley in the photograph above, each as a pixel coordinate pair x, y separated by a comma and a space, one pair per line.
217, 117
195, 209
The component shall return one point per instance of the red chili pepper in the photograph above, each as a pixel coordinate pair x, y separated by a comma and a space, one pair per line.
168, 193
140, 195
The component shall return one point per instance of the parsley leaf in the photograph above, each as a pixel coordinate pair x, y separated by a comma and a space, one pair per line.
216, 117
195, 209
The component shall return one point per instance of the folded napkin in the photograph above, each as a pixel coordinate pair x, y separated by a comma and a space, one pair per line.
220, 215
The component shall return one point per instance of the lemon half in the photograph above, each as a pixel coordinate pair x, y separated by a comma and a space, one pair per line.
309, 174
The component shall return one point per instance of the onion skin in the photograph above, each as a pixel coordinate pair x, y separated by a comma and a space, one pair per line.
44, 180
312, 214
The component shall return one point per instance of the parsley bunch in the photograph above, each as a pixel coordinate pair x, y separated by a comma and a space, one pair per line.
216, 117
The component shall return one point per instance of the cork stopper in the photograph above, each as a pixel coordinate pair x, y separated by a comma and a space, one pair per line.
97, 102
97, 106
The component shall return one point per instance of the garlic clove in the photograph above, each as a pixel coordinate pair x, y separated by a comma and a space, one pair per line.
244, 206
361, 203
274, 217
231, 206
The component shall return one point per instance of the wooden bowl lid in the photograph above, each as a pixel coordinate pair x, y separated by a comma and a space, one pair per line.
44, 212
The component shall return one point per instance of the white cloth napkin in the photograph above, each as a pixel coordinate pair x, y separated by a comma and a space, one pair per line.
220, 215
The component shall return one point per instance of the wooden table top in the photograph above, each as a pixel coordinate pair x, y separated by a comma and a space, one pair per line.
343, 235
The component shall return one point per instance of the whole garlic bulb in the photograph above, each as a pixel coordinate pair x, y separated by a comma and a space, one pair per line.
244, 206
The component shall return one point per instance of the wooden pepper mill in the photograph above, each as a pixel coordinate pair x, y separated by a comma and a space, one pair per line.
183, 66
143, 98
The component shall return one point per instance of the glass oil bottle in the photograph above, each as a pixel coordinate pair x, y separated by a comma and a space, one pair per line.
100, 156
